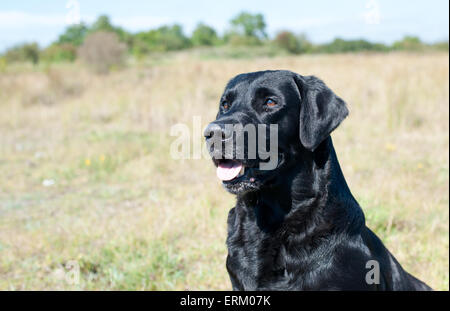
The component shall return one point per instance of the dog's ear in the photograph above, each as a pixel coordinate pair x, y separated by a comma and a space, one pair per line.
321, 111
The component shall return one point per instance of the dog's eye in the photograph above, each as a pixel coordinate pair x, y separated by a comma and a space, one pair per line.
226, 105
270, 103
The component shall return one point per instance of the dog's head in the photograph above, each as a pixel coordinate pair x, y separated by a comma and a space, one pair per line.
302, 110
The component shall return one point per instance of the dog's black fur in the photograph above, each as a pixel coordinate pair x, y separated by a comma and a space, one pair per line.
298, 227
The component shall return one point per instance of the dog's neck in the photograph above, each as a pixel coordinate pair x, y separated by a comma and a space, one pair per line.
303, 192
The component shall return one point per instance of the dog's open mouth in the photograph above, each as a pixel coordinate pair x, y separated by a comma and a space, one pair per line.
228, 170
234, 171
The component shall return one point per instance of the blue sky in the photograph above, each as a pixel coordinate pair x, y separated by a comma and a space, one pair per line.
322, 20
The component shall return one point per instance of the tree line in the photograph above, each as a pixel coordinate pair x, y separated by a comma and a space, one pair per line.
245, 30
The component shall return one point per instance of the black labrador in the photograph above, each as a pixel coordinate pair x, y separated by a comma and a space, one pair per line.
296, 226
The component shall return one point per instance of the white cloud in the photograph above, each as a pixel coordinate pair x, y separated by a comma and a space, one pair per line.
308, 24
144, 23
140, 22
22, 20
17, 19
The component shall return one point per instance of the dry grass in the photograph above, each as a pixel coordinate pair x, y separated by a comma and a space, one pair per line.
133, 218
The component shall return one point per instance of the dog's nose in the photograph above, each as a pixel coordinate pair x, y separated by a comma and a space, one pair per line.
217, 129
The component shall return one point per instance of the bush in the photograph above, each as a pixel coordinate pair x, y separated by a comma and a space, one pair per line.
204, 35
346, 46
59, 53
103, 23
28, 52
74, 35
165, 38
292, 43
247, 29
102, 50
409, 43
440, 46
238, 40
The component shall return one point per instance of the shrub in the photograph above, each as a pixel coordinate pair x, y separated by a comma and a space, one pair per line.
440, 46
59, 53
249, 25
238, 40
165, 38
73, 34
28, 52
408, 43
204, 35
292, 43
247, 29
103, 23
102, 50
339, 45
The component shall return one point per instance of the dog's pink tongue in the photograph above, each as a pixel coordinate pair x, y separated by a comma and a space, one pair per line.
228, 170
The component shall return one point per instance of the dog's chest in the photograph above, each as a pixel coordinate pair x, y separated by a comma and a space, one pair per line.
258, 260
254, 257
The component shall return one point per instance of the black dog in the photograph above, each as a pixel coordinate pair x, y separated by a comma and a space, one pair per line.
297, 226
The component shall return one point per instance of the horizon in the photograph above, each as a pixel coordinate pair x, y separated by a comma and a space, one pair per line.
372, 20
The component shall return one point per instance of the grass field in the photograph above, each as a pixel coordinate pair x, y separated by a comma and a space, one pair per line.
87, 179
